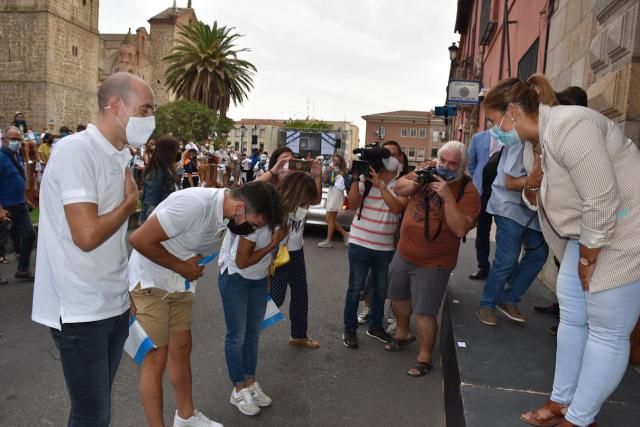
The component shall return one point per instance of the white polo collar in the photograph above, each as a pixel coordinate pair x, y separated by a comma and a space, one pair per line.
123, 156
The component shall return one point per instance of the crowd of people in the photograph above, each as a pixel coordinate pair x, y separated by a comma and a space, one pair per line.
403, 243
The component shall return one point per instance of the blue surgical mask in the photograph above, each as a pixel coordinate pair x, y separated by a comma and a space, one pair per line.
506, 139
14, 146
446, 174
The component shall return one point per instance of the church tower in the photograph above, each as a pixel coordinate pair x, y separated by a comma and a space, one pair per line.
165, 30
50, 54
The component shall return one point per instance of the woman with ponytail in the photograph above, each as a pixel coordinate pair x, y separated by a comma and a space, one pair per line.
585, 188
294, 273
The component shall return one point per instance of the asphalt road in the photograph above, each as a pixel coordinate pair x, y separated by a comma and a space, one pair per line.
330, 386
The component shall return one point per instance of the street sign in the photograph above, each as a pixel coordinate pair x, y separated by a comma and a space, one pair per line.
446, 111
463, 92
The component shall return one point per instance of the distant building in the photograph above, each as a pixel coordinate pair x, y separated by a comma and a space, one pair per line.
54, 59
419, 133
268, 134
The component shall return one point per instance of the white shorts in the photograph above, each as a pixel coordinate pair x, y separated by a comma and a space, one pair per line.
335, 200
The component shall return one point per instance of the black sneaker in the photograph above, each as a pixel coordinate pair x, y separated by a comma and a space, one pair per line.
350, 339
24, 275
381, 335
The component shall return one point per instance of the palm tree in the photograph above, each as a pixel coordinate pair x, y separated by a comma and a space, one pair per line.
204, 67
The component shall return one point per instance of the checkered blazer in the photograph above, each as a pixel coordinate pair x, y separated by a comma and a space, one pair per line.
591, 191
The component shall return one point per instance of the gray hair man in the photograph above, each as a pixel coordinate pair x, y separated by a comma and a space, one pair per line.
12, 199
443, 206
81, 288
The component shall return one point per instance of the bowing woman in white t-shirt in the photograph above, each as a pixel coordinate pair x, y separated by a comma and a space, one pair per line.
244, 263
294, 273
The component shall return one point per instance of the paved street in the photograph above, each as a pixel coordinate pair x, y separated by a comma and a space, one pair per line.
331, 386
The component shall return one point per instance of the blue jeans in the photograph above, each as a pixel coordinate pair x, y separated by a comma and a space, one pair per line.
244, 302
361, 260
593, 340
510, 237
90, 353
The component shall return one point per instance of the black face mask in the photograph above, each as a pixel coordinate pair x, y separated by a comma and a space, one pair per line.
243, 229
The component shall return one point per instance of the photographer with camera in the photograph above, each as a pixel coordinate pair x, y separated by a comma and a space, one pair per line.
371, 241
443, 206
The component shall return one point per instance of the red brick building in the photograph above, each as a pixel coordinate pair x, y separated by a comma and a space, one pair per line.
419, 133
490, 51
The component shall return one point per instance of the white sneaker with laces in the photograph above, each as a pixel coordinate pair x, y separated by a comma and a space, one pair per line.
325, 244
198, 420
363, 316
244, 402
259, 397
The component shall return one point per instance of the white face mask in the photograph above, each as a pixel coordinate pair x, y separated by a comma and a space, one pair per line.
391, 164
300, 214
139, 129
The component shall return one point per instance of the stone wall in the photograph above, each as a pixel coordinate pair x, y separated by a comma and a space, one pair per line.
595, 44
50, 61
161, 41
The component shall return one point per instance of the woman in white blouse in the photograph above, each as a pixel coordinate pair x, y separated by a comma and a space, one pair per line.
585, 186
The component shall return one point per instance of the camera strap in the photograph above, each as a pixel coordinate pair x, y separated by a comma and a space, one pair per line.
367, 190
427, 209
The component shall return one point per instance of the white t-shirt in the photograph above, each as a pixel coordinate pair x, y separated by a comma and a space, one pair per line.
71, 284
227, 258
295, 238
376, 228
193, 220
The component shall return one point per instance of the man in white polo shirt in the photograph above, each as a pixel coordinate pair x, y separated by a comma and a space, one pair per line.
80, 289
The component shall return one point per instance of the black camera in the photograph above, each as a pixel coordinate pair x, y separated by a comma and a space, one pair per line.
370, 156
426, 176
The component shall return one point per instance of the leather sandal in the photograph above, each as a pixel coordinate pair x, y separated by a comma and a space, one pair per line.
304, 342
548, 415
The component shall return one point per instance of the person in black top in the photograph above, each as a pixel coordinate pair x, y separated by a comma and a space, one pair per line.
160, 177
191, 177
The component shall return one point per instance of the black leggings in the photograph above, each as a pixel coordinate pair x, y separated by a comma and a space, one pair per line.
294, 274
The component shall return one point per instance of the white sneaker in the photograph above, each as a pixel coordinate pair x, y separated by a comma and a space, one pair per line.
346, 240
244, 402
325, 244
198, 420
391, 329
363, 317
258, 395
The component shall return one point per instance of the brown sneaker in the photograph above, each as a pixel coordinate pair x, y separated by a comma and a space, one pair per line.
512, 312
487, 316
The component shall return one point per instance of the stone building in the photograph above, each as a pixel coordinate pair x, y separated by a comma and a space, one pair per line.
595, 44
418, 132
54, 58
49, 67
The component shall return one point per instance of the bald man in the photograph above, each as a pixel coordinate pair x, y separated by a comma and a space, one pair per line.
81, 290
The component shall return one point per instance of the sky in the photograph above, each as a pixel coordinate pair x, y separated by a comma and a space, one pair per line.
326, 59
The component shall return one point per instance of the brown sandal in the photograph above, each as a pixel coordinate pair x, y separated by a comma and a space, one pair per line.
549, 414
304, 342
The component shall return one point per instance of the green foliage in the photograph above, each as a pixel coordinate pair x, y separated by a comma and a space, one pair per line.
204, 66
308, 124
185, 119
